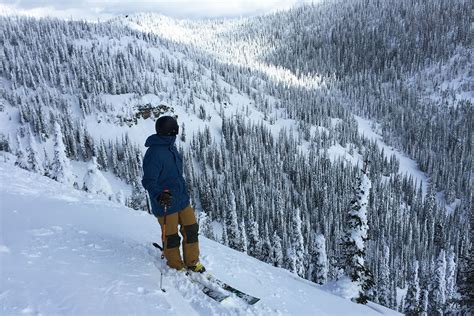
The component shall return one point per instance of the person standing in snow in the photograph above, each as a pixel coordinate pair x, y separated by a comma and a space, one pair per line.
163, 179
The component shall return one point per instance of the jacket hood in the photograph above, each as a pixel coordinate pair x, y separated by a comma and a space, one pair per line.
157, 140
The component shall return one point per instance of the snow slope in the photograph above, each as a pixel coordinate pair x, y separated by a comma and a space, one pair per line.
407, 165
64, 251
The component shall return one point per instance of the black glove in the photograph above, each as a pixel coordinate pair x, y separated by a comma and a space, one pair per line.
165, 198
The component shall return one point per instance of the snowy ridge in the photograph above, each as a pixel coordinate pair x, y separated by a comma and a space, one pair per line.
77, 253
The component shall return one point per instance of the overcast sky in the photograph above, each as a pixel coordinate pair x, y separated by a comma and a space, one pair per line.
104, 9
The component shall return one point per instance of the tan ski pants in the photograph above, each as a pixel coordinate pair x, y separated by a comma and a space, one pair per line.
189, 231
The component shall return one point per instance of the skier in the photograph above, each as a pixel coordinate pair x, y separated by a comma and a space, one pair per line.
163, 179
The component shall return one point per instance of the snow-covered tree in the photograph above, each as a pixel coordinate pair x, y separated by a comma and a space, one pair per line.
297, 245
356, 236
243, 236
231, 224
439, 284
254, 241
21, 160
94, 181
277, 254
114, 158
138, 199
183, 133
424, 306
451, 292
34, 163
60, 166
383, 282
46, 163
465, 281
5, 143
412, 298
319, 261
205, 225
267, 249
103, 161
224, 238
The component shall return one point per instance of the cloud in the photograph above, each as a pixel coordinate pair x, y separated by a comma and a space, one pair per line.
104, 9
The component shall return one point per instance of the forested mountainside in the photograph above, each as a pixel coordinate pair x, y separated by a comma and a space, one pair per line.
271, 144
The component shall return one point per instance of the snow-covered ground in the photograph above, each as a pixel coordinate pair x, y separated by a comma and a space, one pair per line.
64, 251
407, 165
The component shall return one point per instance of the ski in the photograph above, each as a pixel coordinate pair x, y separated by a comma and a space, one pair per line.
218, 294
249, 299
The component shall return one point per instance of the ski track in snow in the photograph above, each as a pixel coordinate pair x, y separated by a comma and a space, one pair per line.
64, 251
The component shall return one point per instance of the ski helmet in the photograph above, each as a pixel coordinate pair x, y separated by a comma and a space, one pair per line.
167, 126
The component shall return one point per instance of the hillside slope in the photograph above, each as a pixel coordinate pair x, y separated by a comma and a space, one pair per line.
74, 253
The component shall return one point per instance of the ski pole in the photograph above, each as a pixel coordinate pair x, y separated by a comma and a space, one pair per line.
161, 281
148, 208
163, 252
163, 233
161, 269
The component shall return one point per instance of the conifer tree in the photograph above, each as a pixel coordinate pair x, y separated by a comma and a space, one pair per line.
243, 237
114, 159
137, 200
466, 269
94, 181
34, 163
254, 241
277, 254
183, 133
205, 226
424, 302
205, 195
297, 245
412, 298
319, 260
46, 164
225, 238
439, 284
20, 155
60, 166
356, 236
267, 249
5, 142
102, 159
451, 292
231, 224
383, 283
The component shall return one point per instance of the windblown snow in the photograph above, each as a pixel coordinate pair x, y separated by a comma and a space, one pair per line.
64, 251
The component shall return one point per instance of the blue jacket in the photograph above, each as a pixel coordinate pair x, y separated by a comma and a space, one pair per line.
163, 169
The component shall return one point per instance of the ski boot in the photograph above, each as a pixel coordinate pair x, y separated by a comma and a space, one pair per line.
199, 268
